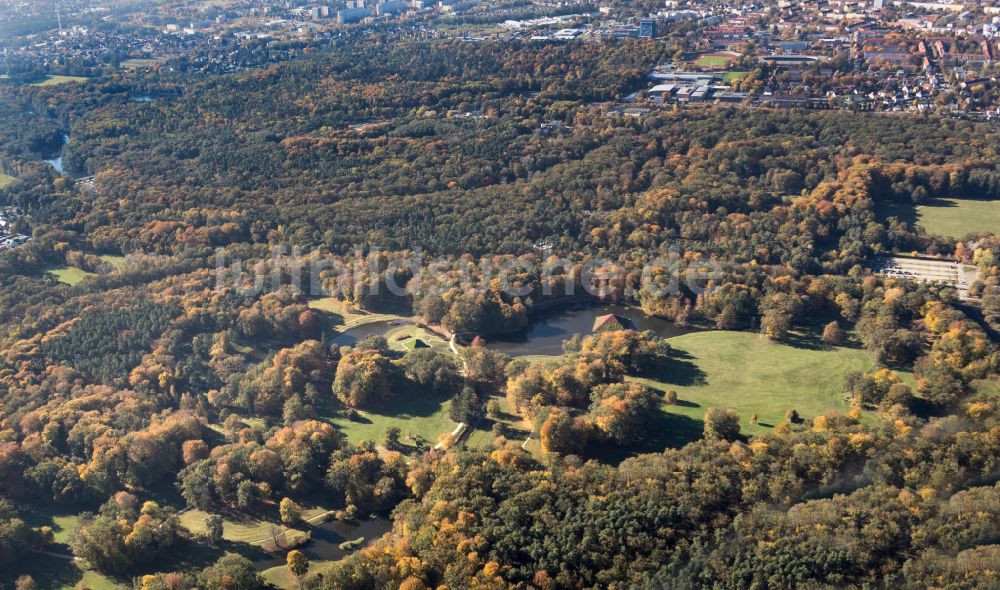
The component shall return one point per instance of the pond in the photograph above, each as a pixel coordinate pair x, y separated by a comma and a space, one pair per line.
57, 162
546, 333
326, 540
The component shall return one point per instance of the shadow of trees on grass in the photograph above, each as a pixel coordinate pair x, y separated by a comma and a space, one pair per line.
680, 370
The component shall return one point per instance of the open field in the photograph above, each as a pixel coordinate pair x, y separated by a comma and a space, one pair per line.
72, 275
747, 373
96, 581
481, 438
730, 76
64, 527
64, 524
56, 80
55, 573
249, 530
6, 180
515, 428
347, 313
534, 446
248, 422
948, 217
69, 274
52, 571
349, 317
413, 414
738, 370
282, 578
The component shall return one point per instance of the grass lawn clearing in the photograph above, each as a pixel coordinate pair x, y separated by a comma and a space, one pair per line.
252, 531
64, 527
49, 570
349, 317
69, 275
72, 275
56, 573
331, 305
6, 180
412, 414
282, 578
747, 373
56, 80
410, 337
954, 218
311, 514
64, 524
515, 428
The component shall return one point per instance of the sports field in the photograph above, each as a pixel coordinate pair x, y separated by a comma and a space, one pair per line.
713, 61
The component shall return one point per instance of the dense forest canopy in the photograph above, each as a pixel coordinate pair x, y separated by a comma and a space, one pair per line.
148, 375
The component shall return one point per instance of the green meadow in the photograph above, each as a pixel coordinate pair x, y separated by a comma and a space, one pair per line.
949, 217
747, 373
57, 80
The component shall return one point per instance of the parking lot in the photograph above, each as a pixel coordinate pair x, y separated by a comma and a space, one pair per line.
958, 275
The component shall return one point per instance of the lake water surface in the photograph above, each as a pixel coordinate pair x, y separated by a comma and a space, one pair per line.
547, 332
57, 162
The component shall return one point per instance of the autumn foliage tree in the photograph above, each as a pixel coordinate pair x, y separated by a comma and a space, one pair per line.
363, 379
